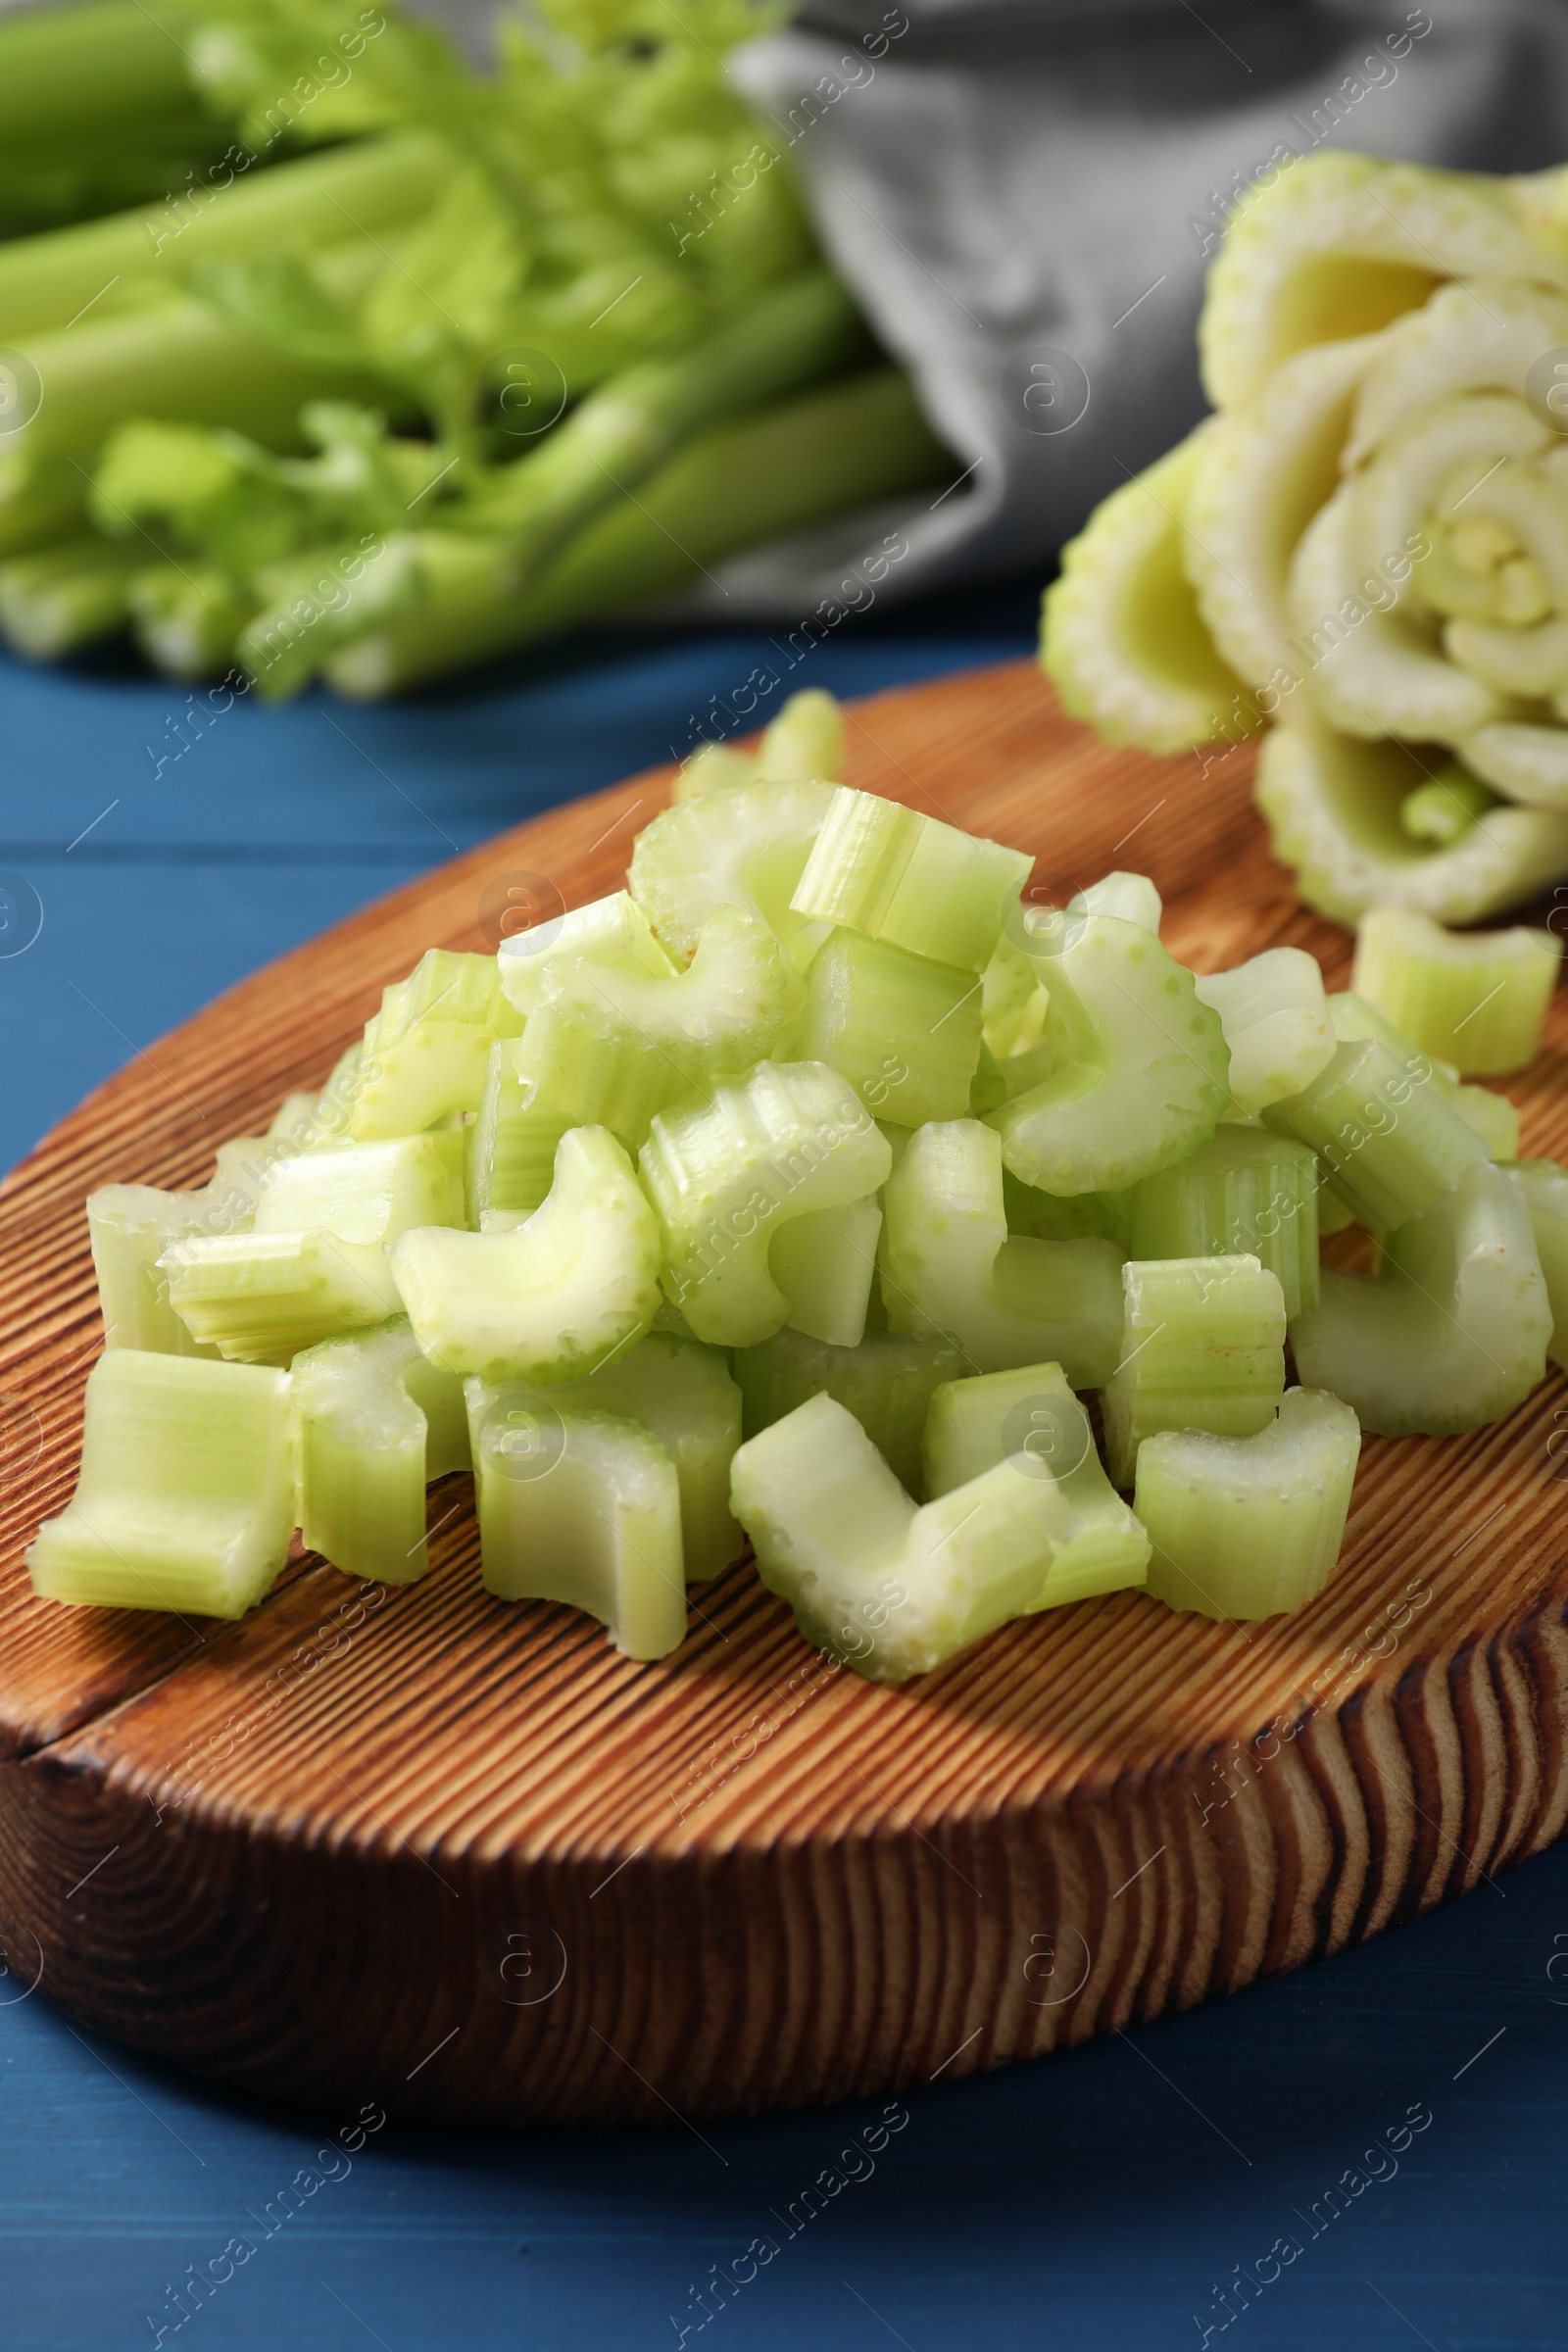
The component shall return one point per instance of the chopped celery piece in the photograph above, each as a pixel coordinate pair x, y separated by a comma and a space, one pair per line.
998, 1082
1493, 1118
887, 1383
909, 880
376, 1423
711, 767
1131, 897
1451, 1334
512, 1145
579, 1507
951, 1268
890, 1588
186, 1494
1030, 1418
902, 1029
1245, 1191
1393, 1147
1276, 1022
1249, 1527
1479, 999
613, 930
746, 848
1012, 1002
554, 1300
1065, 1216
1543, 1186
1143, 1079
825, 1263
259, 1298
1202, 1347
726, 1174
1441, 812
428, 1049
806, 740
366, 1193
131, 1225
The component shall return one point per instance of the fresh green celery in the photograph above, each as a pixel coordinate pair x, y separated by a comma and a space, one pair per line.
1030, 1418
747, 848
512, 1144
376, 1423
1276, 1022
1143, 1075
880, 1582
259, 1298
1453, 1333
552, 1300
367, 1192
824, 1262
131, 1225
186, 1494
1131, 897
724, 1175
1249, 1527
711, 767
1543, 1186
807, 740
1443, 810
1493, 1117
1393, 1147
1245, 1191
428, 1050
902, 1029
1477, 999
887, 1383
579, 1507
1065, 1216
1012, 1003
909, 880
186, 619
63, 596
1008, 1079
1202, 1347
611, 930
43, 501
951, 1268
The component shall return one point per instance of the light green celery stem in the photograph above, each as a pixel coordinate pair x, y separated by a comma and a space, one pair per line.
950, 1267
259, 1298
1012, 1005
186, 618
1477, 999
1144, 1064
1394, 1148
583, 1509
1202, 1347
726, 1175
131, 1225
1249, 1527
63, 596
744, 847
1066, 1217
1543, 1186
636, 421
314, 202
556, 1299
1451, 1334
881, 1583
904, 1029
1441, 812
111, 74
1493, 1117
365, 1192
426, 1052
40, 504
1030, 1418
1276, 1022
1245, 1190
185, 1499
535, 941
741, 484
909, 881
887, 1383
809, 738
825, 1262
375, 1423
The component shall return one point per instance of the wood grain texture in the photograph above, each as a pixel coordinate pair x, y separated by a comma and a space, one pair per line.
457, 1855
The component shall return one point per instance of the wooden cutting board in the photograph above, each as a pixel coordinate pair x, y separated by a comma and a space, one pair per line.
455, 1855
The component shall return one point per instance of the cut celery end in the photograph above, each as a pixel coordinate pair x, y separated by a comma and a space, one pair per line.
825, 1263
1393, 1147
583, 1509
365, 1192
1441, 812
1453, 1333
909, 880
1249, 1527
885, 1586
726, 1175
1491, 1116
185, 1499
1276, 1022
426, 1050
807, 739
711, 767
1478, 999
1031, 1418
1543, 1186
513, 1143
1065, 1216
950, 1268
902, 1029
259, 1298
683, 1392
1131, 897
375, 1422
1202, 1347
132, 1226
1144, 1079
1012, 1005
1244, 1192
611, 930
556, 1299
887, 1383
747, 848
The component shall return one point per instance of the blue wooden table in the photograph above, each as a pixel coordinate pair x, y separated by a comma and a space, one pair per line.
1372, 2153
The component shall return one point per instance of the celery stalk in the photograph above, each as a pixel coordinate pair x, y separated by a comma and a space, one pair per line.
611, 930
1202, 1347
428, 1050
259, 1298
67, 596
368, 1447
743, 848
887, 1383
1276, 1022
131, 1225
1393, 1147
366, 1193
1243, 1191
824, 1262
1493, 1117
1478, 999
904, 1029
909, 881
807, 740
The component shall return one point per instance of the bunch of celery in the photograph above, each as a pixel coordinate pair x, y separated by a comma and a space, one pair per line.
1365, 549
425, 364
803, 1188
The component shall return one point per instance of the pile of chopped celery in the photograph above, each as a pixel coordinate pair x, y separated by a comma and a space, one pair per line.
823, 1190
1364, 549
329, 355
